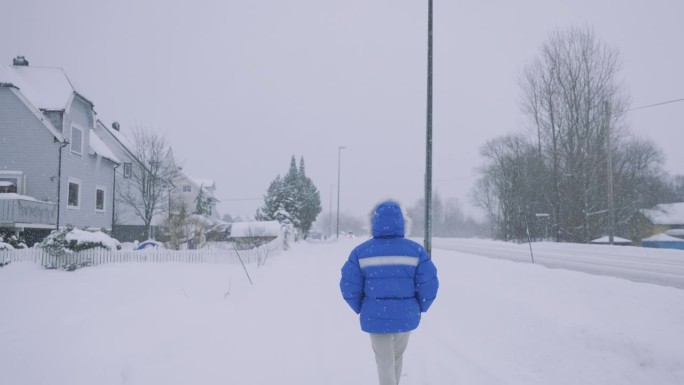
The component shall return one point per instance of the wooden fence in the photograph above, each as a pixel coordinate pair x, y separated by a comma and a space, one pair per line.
101, 256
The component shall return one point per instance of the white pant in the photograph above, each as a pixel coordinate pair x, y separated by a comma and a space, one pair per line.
389, 351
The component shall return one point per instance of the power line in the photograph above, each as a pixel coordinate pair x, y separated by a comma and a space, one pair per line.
656, 104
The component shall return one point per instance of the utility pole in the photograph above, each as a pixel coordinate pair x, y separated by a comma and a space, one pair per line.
611, 203
428, 142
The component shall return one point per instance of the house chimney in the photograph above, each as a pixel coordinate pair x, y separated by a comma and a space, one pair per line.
20, 61
116, 126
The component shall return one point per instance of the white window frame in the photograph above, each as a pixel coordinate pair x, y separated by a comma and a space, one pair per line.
71, 143
18, 175
104, 199
78, 183
188, 191
127, 166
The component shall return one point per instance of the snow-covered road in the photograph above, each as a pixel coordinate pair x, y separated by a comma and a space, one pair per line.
659, 266
494, 322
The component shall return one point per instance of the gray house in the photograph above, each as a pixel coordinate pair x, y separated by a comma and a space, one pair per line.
54, 169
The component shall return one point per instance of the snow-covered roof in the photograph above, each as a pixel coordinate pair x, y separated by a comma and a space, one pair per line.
255, 229
18, 196
97, 146
206, 183
606, 240
662, 237
666, 214
47, 88
125, 141
675, 232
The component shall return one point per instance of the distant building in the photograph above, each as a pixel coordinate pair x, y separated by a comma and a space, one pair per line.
665, 216
189, 190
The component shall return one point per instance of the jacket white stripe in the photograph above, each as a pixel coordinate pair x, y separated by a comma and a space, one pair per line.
387, 261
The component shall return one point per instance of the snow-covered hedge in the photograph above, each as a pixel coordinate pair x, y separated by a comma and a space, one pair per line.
61, 243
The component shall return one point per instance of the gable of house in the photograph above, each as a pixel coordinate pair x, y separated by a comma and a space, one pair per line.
80, 165
30, 146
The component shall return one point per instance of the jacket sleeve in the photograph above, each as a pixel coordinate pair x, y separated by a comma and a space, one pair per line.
351, 283
426, 281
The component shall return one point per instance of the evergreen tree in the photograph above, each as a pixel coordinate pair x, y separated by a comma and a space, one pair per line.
203, 203
292, 199
310, 199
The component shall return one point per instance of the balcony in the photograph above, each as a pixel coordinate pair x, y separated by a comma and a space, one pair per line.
26, 212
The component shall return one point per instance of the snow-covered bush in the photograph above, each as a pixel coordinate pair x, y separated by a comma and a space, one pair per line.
187, 230
63, 243
10, 241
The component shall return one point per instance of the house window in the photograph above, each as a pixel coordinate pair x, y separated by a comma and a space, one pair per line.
127, 170
8, 185
74, 197
11, 181
99, 199
186, 188
76, 140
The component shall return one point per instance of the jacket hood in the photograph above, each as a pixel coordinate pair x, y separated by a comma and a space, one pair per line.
388, 220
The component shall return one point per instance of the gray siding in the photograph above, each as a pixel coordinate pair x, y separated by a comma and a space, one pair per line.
124, 214
26, 145
90, 170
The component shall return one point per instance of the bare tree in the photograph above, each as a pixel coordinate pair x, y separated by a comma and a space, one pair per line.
147, 194
580, 141
565, 93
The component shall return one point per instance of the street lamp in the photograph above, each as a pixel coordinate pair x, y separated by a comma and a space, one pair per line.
330, 212
339, 157
428, 141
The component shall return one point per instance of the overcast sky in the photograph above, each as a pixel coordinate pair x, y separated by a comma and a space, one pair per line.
238, 87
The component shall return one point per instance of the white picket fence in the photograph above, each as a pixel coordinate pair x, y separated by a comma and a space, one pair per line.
94, 257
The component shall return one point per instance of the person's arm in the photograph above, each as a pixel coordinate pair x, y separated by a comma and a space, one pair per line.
351, 283
426, 281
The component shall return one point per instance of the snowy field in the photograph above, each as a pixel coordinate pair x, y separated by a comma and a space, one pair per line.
494, 322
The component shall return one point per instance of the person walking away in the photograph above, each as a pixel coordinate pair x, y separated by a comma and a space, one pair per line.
389, 281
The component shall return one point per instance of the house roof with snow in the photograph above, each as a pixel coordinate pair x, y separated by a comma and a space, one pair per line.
48, 88
124, 142
97, 146
662, 237
666, 214
207, 185
616, 240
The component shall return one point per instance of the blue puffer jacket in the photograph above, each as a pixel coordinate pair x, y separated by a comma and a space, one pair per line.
389, 280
